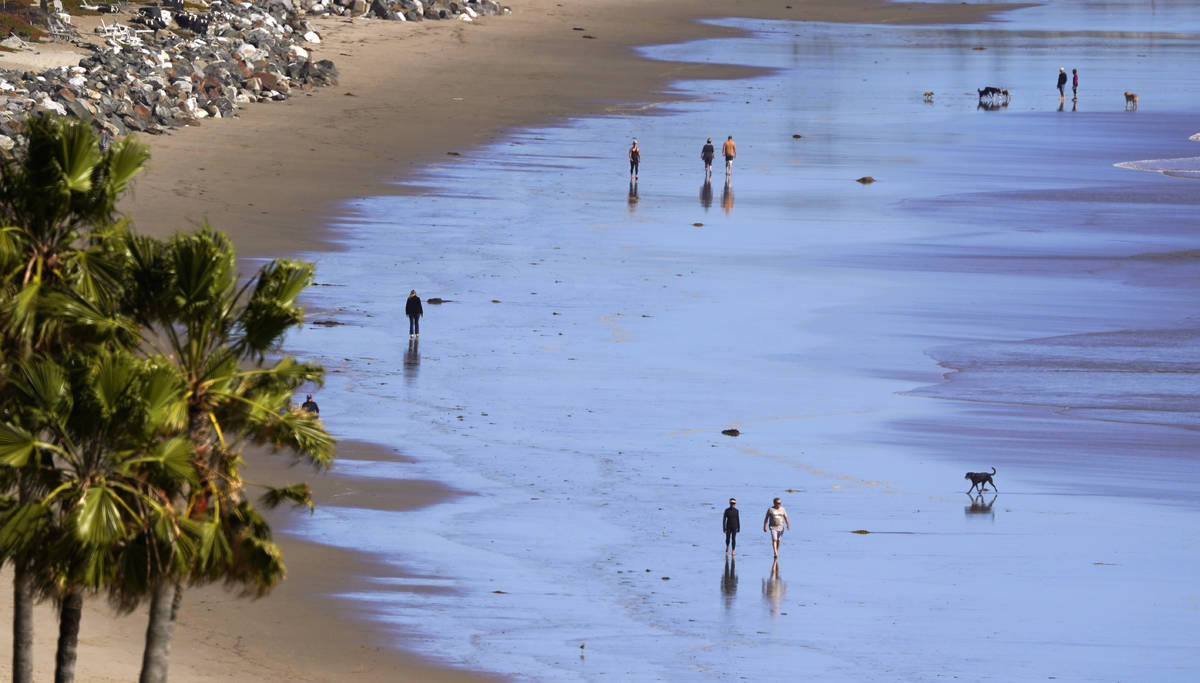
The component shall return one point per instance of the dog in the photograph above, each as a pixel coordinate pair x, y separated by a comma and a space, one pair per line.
1130, 100
989, 93
928, 95
981, 479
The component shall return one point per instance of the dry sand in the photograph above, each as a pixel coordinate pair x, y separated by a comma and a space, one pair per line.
409, 94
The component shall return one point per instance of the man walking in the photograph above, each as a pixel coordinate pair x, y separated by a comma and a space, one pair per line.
731, 524
1062, 83
635, 159
729, 149
776, 521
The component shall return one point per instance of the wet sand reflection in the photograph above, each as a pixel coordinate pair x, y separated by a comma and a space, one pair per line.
706, 195
729, 581
727, 196
774, 588
412, 360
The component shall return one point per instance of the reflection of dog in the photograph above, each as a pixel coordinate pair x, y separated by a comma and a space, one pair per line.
1130, 100
981, 479
979, 507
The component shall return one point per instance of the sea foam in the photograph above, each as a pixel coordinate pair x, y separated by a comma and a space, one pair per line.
1183, 167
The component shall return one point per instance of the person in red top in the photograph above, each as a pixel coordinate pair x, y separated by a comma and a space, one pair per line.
1074, 84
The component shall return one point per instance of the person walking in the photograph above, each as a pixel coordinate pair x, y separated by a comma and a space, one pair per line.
1074, 84
707, 153
1062, 83
731, 524
729, 150
635, 159
412, 308
775, 521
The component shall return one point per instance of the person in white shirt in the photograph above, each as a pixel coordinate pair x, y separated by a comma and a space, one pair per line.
776, 521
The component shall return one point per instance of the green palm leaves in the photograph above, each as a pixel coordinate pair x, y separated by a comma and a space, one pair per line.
132, 373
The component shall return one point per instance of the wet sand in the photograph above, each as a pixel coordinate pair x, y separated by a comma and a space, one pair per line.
980, 305
272, 178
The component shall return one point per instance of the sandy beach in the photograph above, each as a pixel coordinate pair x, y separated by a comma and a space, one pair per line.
275, 177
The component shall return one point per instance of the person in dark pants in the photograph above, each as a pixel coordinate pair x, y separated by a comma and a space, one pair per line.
1074, 84
412, 308
707, 153
1062, 83
635, 159
731, 524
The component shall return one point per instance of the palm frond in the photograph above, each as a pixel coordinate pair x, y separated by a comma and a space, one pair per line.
297, 494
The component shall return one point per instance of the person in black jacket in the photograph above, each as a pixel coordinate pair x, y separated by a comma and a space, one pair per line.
412, 308
1062, 83
731, 524
707, 153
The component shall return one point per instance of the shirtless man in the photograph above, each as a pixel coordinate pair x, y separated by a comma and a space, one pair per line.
729, 149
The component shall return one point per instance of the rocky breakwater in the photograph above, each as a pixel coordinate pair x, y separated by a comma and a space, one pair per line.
154, 80
407, 10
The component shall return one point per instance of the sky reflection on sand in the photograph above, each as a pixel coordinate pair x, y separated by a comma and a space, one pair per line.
596, 346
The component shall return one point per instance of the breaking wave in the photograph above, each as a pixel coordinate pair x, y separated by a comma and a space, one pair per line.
1183, 167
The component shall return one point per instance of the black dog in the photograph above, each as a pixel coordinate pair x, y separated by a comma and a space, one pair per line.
989, 92
981, 479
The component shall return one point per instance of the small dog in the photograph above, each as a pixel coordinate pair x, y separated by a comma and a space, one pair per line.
988, 92
981, 479
928, 95
1130, 100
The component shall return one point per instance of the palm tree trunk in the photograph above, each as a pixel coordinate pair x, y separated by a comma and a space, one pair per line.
22, 666
164, 604
69, 614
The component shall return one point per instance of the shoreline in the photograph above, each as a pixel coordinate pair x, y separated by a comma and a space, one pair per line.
326, 149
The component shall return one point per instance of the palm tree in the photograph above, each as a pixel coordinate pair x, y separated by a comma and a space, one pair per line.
108, 469
216, 335
57, 199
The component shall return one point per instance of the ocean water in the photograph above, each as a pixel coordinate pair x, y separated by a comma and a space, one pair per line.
1004, 295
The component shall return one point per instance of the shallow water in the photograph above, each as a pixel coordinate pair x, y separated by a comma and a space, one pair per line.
1003, 296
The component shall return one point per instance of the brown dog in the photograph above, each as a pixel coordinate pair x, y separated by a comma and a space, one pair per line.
981, 479
1130, 100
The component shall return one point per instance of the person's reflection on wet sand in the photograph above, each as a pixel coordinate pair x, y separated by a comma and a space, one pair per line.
773, 589
727, 196
633, 196
412, 360
706, 195
729, 581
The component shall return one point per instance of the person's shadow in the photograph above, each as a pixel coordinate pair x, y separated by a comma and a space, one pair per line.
633, 195
774, 588
729, 581
706, 195
412, 360
727, 195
